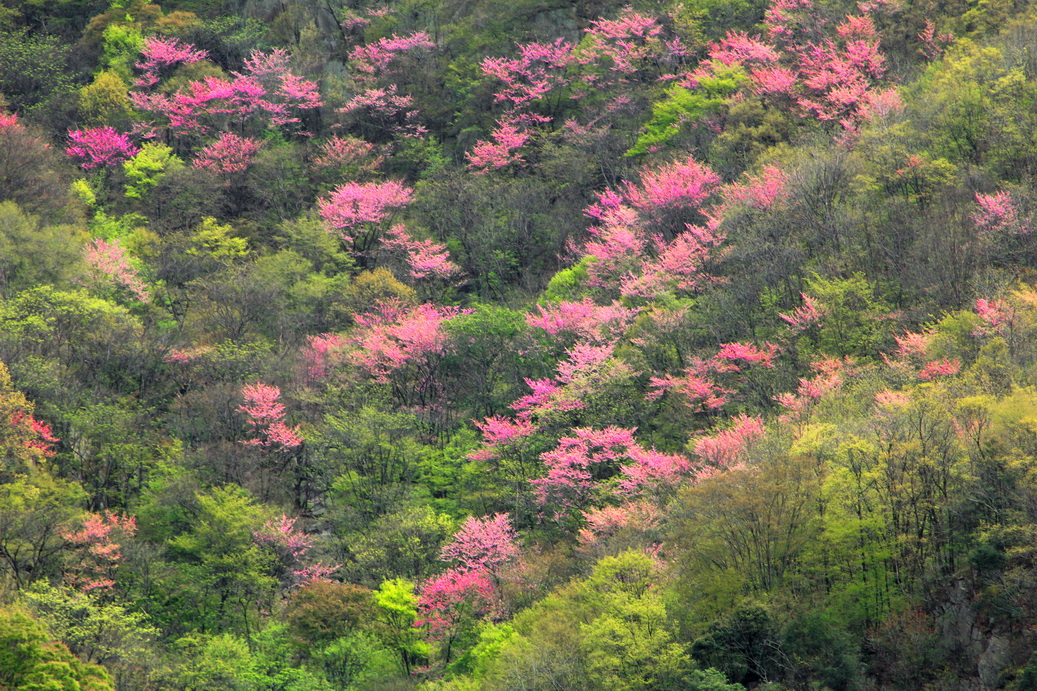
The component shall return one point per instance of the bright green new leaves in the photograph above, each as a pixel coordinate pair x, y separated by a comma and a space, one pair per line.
30, 661
398, 610
685, 106
223, 576
144, 170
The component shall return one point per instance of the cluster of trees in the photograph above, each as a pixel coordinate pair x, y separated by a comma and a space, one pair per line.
558, 345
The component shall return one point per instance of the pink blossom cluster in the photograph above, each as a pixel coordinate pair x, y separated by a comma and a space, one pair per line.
100, 147
266, 417
265, 94
403, 346
425, 259
355, 204
480, 552
579, 461
584, 320
607, 521
998, 214
376, 57
343, 152
483, 544
228, 154
186, 356
760, 192
454, 599
830, 77
319, 354
41, 437
627, 44
811, 313
996, 315
726, 447
635, 246
160, 52
539, 69
933, 43
699, 387
939, 369
829, 378
109, 259
586, 369
98, 550
292, 548
502, 150
386, 108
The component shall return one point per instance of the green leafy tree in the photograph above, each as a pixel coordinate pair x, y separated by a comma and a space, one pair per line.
98, 632
398, 610
31, 661
222, 576
33, 511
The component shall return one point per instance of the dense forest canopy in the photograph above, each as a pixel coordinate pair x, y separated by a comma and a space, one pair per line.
462, 344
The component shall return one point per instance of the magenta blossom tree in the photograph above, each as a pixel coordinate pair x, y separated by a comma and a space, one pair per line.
403, 346
100, 147
159, 53
228, 154
483, 544
266, 417
355, 211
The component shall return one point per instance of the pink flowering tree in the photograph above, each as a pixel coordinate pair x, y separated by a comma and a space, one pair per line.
229, 154
997, 317
100, 147
320, 353
160, 53
265, 94
804, 67
939, 369
583, 320
379, 57
424, 259
96, 550
37, 434
266, 415
610, 529
347, 158
710, 384
644, 241
483, 544
109, 262
356, 212
538, 70
1003, 230
291, 548
402, 346
384, 112
829, 377
633, 46
727, 447
933, 43
379, 109
808, 315
451, 604
501, 150
592, 463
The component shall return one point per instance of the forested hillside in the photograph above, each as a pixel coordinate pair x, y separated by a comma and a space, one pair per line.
471, 344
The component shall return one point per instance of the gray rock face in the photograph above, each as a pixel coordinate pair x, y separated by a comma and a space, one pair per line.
987, 650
